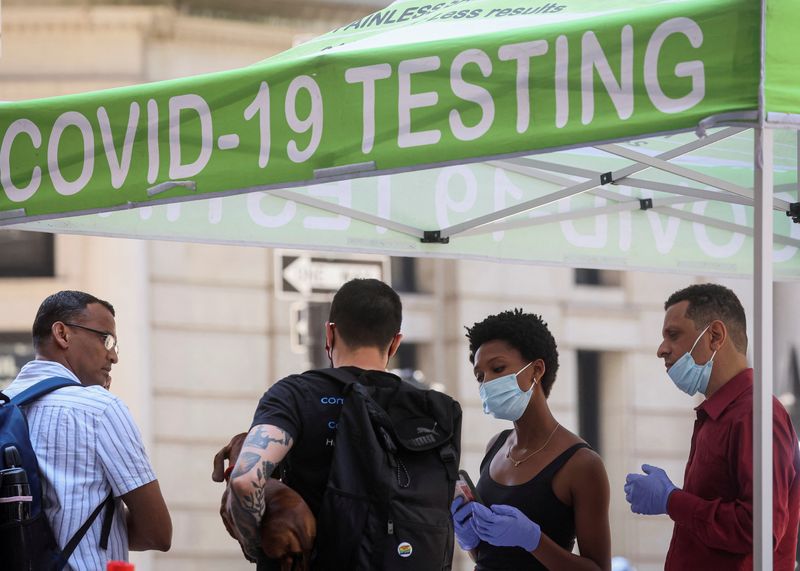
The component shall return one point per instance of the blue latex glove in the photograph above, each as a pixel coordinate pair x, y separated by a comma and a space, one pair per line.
505, 526
648, 494
462, 523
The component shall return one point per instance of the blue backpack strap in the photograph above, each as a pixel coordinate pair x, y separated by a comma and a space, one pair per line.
42, 388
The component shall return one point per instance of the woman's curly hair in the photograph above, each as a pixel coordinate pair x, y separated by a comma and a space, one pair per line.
526, 332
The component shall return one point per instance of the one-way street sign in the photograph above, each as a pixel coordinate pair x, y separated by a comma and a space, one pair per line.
315, 276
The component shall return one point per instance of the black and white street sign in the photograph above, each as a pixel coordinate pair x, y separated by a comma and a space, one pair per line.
313, 276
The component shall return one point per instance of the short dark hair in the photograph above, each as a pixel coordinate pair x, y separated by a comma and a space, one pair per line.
709, 302
526, 332
62, 306
366, 313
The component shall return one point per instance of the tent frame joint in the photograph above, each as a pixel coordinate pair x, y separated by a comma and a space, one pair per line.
794, 212
606, 178
434, 237
645, 203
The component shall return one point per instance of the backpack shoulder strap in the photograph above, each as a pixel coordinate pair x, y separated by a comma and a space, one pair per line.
69, 548
338, 374
42, 388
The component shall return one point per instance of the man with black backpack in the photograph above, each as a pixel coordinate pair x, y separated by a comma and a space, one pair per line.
374, 457
92, 490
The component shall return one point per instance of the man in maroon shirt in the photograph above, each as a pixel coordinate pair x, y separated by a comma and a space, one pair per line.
704, 349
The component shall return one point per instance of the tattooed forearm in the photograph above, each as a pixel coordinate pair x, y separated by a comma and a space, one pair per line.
261, 438
262, 450
246, 462
246, 525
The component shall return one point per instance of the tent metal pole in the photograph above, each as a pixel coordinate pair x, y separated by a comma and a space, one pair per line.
349, 212
762, 353
797, 166
715, 195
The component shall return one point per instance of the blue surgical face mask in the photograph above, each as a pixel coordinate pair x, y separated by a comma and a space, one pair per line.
687, 375
502, 397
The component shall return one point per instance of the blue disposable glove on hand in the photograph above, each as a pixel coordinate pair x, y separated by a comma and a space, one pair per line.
462, 523
648, 494
505, 526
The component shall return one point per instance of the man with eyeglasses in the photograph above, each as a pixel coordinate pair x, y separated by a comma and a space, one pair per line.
89, 450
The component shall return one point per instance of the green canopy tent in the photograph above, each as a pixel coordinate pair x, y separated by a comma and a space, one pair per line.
650, 134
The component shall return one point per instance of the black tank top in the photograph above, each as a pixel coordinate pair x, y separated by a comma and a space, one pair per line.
534, 498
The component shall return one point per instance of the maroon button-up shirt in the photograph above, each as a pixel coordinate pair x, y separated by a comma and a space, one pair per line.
713, 513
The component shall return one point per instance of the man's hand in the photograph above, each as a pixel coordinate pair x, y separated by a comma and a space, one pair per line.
648, 494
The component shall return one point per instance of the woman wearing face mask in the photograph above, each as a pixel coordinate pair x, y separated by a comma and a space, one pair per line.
542, 487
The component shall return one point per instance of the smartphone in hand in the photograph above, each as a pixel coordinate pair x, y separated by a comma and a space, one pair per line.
465, 488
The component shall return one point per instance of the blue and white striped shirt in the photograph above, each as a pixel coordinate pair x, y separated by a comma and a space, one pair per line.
87, 445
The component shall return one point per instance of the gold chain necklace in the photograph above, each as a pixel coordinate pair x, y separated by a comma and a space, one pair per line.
529, 456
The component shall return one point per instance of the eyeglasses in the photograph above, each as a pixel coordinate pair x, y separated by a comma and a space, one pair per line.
109, 341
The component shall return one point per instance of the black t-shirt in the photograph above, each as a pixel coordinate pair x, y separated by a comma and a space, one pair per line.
307, 407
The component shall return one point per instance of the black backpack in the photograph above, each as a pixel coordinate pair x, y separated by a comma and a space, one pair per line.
29, 544
392, 477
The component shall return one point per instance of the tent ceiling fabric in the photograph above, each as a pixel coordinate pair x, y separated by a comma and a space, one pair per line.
465, 128
548, 209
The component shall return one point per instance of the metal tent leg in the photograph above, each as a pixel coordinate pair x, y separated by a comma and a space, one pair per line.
762, 352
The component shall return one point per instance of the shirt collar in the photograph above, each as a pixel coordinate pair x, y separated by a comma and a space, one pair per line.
34, 371
716, 404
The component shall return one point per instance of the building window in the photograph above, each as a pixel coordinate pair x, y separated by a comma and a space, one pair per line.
589, 398
405, 364
404, 275
26, 254
598, 278
16, 349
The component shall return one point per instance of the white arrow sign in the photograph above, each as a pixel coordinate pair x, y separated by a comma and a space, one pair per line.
307, 275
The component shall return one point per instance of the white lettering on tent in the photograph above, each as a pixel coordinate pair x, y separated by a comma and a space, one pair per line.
408, 101
693, 69
153, 158
70, 119
342, 193
313, 122
445, 203
145, 212
189, 102
595, 240
384, 201
664, 238
522, 53
562, 81
503, 187
786, 253
625, 223
593, 57
173, 211
260, 106
13, 192
719, 250
254, 209
367, 76
215, 211
471, 92
119, 167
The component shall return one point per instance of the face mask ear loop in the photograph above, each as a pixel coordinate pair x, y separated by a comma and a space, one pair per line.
533, 384
698, 339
